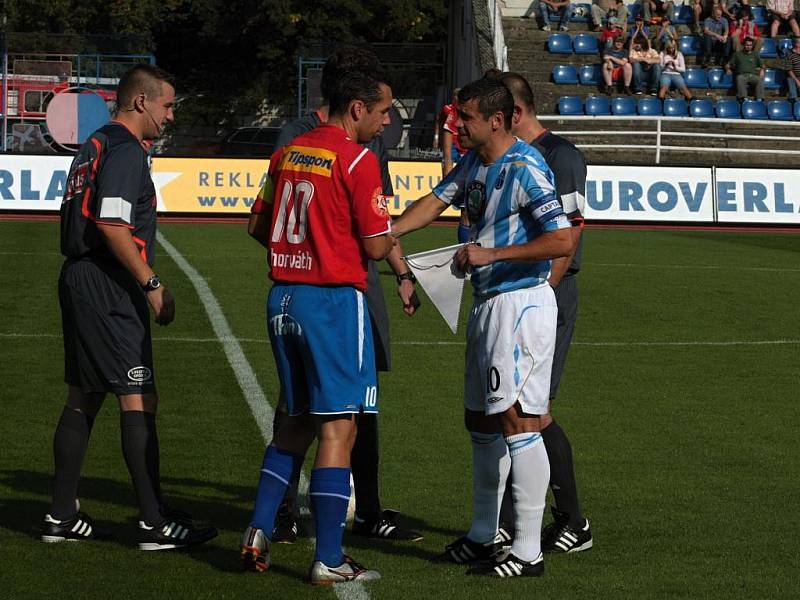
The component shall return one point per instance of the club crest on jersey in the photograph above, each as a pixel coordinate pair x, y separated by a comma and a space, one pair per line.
379, 203
78, 180
307, 160
476, 200
501, 179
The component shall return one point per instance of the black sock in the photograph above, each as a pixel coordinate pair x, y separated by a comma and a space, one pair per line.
138, 448
562, 473
507, 506
289, 506
69, 447
364, 465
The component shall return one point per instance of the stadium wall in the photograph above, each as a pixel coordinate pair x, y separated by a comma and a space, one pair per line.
613, 193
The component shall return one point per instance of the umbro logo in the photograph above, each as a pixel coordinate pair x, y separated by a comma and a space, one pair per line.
494, 399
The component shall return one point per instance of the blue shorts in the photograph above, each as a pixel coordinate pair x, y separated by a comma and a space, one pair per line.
322, 343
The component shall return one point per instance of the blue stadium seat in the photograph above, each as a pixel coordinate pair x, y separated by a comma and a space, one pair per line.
649, 106
701, 108
728, 109
559, 43
590, 74
769, 48
585, 43
633, 10
718, 79
675, 107
754, 109
580, 12
682, 15
690, 45
797, 111
696, 78
565, 75
759, 15
623, 106
780, 110
597, 105
774, 79
570, 105
785, 46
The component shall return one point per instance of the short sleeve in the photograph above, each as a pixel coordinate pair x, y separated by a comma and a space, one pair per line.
368, 208
569, 169
451, 189
538, 196
265, 197
119, 185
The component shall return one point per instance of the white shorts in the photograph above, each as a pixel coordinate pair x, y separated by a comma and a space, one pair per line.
510, 342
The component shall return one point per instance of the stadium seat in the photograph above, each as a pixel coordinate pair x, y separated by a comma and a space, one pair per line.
675, 107
780, 110
623, 106
728, 109
581, 13
649, 106
598, 105
633, 10
690, 45
585, 43
718, 79
590, 74
696, 78
797, 111
774, 79
682, 15
754, 109
565, 75
784, 46
769, 48
570, 105
559, 43
759, 15
701, 108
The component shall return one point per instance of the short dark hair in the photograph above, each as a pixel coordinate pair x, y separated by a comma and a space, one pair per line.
143, 78
748, 39
520, 90
492, 96
343, 60
353, 85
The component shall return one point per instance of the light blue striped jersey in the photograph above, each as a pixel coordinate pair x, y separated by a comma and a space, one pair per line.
519, 203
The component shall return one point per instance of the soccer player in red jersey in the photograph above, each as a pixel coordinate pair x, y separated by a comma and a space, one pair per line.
322, 216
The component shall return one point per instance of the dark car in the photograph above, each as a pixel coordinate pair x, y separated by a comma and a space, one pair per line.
250, 141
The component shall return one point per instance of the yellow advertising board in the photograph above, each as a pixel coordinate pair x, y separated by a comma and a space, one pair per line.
230, 185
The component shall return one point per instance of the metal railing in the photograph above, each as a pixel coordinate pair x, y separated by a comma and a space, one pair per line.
659, 134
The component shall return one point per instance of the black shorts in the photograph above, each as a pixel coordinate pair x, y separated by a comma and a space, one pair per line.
567, 300
106, 325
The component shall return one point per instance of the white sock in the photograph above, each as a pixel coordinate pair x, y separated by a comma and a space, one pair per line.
490, 467
531, 474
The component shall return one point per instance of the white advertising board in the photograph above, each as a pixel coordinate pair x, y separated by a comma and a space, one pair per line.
32, 182
758, 196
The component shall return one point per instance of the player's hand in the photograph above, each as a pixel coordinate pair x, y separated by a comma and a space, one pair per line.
406, 292
473, 255
163, 305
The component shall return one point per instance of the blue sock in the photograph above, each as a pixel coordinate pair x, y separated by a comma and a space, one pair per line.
330, 494
276, 472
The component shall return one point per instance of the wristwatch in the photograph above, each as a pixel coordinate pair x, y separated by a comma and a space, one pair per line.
407, 275
152, 284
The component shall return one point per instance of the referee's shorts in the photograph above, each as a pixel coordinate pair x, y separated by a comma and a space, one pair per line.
106, 325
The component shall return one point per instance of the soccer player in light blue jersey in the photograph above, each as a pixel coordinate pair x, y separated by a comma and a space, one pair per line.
516, 226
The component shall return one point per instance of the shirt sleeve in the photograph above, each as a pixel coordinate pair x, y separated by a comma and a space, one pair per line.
119, 185
368, 207
539, 198
266, 194
569, 169
451, 189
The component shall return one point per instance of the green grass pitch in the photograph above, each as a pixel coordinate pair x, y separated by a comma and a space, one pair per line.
680, 399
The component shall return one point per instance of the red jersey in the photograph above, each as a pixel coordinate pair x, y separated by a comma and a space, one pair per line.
450, 112
325, 194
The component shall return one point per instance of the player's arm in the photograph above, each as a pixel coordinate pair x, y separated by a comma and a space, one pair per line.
550, 244
559, 266
418, 215
260, 221
569, 170
378, 247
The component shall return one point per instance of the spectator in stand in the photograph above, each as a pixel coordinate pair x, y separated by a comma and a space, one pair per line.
602, 9
715, 37
745, 28
782, 12
616, 64
791, 63
554, 10
672, 69
653, 9
611, 31
749, 70
639, 28
666, 33
646, 64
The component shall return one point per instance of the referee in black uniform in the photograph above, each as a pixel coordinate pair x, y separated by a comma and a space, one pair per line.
369, 519
570, 530
108, 230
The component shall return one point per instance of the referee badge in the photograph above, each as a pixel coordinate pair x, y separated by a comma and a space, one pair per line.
476, 201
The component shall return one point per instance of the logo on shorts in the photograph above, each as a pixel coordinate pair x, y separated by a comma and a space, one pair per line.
140, 374
494, 399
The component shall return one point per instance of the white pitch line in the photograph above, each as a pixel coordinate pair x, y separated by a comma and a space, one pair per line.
234, 340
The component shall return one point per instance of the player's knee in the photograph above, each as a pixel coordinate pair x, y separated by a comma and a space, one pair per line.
86, 403
478, 422
139, 402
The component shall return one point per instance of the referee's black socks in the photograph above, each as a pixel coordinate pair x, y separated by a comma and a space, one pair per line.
140, 449
562, 473
69, 448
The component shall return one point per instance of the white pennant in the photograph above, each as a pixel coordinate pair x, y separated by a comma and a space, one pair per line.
438, 275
